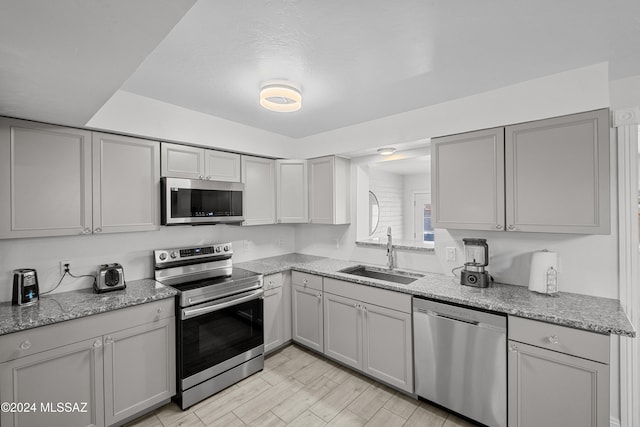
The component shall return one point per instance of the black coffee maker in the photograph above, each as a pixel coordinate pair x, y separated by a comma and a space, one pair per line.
476, 259
25, 287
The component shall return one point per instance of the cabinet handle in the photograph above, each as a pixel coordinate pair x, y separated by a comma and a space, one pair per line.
98, 230
200, 176
304, 282
511, 228
319, 297
513, 348
553, 339
25, 345
86, 231
159, 310
97, 344
108, 340
498, 227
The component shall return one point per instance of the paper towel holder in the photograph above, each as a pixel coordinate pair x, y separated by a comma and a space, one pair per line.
543, 277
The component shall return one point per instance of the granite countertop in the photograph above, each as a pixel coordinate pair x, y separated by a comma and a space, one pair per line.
277, 264
596, 314
54, 308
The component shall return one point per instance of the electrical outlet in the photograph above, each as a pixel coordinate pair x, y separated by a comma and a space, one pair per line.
451, 253
62, 265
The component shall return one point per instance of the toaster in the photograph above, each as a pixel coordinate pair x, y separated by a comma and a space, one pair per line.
110, 277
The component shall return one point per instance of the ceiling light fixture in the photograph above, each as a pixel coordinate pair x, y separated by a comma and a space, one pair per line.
387, 151
282, 97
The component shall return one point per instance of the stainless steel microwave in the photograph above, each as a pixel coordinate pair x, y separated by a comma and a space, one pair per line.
199, 202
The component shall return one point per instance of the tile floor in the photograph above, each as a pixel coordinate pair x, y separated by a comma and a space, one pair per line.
299, 388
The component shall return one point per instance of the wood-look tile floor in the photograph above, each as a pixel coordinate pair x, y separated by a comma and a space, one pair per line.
299, 388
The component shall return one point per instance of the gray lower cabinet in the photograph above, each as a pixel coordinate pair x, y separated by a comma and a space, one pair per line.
108, 368
369, 329
72, 373
557, 376
274, 312
139, 369
307, 310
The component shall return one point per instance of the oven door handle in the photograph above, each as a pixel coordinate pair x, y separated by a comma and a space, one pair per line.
215, 306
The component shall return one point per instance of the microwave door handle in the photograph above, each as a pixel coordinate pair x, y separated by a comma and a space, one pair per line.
210, 308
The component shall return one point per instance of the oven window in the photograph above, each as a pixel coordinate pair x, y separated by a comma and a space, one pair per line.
189, 203
215, 337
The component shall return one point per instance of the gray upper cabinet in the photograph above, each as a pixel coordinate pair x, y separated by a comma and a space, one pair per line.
292, 192
468, 180
544, 176
184, 161
557, 174
45, 180
329, 190
259, 195
64, 181
126, 184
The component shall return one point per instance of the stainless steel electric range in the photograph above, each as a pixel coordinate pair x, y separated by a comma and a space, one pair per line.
219, 319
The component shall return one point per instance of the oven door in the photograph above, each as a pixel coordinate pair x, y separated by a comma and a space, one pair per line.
219, 335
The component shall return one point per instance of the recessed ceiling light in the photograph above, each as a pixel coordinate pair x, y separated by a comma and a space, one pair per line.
386, 151
282, 97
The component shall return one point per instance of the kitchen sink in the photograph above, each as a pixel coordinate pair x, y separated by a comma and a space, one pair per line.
395, 276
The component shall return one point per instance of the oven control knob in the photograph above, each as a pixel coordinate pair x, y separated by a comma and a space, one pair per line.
162, 256
174, 254
217, 248
226, 248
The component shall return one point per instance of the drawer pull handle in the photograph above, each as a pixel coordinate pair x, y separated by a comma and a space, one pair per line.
159, 310
553, 339
513, 348
97, 344
319, 297
108, 340
25, 345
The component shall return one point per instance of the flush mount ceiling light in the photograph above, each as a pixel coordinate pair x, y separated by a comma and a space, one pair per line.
386, 151
282, 97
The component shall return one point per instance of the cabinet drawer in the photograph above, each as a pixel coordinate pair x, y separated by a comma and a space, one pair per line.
381, 297
272, 281
588, 345
307, 280
36, 340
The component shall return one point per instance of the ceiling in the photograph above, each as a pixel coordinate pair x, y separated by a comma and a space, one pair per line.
355, 61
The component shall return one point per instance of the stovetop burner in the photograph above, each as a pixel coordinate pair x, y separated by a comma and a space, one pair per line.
198, 277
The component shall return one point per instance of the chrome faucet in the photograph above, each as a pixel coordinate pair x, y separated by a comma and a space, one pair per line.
389, 249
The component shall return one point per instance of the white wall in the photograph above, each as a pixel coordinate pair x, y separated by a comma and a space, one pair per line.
133, 250
415, 183
133, 114
389, 189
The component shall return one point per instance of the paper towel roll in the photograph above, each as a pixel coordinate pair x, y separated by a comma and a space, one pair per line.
541, 278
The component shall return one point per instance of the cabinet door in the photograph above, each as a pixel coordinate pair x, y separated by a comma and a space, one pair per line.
126, 184
557, 174
292, 193
221, 166
307, 317
139, 368
259, 195
321, 190
286, 305
387, 346
273, 319
547, 388
467, 180
45, 180
182, 161
72, 373
343, 330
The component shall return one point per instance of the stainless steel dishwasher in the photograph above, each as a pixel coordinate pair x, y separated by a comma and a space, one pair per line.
460, 358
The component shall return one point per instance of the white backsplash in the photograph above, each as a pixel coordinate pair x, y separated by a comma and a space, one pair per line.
133, 250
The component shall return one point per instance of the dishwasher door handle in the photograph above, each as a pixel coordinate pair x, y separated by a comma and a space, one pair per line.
457, 319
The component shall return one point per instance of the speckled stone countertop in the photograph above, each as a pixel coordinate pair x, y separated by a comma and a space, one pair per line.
63, 306
277, 264
596, 314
